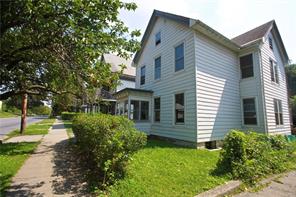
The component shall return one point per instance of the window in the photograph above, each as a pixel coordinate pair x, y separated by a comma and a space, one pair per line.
270, 43
250, 117
246, 65
157, 38
157, 68
139, 110
179, 108
179, 57
142, 80
144, 110
278, 112
274, 71
157, 109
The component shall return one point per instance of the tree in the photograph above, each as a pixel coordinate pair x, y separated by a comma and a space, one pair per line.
55, 46
291, 80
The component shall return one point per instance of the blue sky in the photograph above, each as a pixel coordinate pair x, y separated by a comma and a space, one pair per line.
229, 17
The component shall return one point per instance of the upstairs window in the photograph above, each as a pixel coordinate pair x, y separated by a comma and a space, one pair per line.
179, 57
270, 43
278, 112
249, 107
274, 71
157, 38
157, 109
179, 108
246, 65
157, 68
142, 79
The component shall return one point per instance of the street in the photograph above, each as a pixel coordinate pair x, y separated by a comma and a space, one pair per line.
9, 124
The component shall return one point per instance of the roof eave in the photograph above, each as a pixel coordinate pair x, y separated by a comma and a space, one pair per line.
215, 35
183, 20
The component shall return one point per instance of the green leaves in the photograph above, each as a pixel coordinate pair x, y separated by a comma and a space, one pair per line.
63, 38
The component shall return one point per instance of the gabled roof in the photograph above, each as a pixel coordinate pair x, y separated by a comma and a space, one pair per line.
254, 34
236, 43
156, 13
115, 61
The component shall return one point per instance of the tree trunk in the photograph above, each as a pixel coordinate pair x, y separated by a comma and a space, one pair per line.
24, 113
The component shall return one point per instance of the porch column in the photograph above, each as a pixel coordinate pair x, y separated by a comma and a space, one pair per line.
129, 107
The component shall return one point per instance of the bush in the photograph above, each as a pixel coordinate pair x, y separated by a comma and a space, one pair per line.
107, 142
250, 156
68, 115
41, 110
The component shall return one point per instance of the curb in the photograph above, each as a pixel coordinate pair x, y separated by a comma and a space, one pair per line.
221, 190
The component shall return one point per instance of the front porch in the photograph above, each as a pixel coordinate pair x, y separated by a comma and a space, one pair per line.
136, 104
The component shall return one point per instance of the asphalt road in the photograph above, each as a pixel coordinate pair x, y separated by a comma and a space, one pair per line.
9, 124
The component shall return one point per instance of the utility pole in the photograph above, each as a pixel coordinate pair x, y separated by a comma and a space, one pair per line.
24, 113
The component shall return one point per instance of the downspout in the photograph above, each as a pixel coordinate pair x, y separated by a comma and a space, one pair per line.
262, 90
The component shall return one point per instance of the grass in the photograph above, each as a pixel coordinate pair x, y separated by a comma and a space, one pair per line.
68, 126
4, 114
162, 169
12, 156
40, 128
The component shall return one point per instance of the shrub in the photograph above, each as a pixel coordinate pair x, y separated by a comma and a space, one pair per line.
68, 115
250, 156
107, 142
41, 110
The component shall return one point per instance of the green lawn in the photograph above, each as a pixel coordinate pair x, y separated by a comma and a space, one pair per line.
12, 156
4, 114
40, 128
68, 126
162, 169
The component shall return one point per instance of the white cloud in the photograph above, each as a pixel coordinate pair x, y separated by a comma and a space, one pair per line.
229, 17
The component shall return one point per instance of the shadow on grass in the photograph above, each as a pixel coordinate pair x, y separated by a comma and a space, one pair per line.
11, 149
157, 143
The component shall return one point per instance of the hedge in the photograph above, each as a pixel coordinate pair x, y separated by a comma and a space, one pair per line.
249, 156
68, 115
107, 142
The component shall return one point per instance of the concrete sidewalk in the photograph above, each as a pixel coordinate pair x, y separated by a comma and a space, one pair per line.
282, 187
51, 170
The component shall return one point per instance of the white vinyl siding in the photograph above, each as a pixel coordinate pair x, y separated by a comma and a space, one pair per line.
171, 83
273, 90
217, 87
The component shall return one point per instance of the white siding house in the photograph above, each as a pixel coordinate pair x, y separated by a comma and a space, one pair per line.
194, 85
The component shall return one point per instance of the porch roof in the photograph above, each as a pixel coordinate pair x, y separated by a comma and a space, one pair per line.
127, 91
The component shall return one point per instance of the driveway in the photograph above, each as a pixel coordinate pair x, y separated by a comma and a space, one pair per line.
9, 124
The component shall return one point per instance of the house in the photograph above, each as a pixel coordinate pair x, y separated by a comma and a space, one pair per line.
193, 84
126, 80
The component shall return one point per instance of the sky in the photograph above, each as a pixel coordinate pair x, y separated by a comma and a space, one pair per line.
229, 17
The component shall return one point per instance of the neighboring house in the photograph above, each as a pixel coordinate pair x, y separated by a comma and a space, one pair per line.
126, 80
193, 84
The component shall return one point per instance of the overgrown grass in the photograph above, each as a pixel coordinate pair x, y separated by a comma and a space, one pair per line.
40, 128
162, 169
4, 114
12, 156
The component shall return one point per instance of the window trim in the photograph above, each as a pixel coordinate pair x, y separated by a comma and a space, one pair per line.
174, 109
159, 56
275, 71
256, 110
155, 121
174, 52
240, 68
280, 120
144, 66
